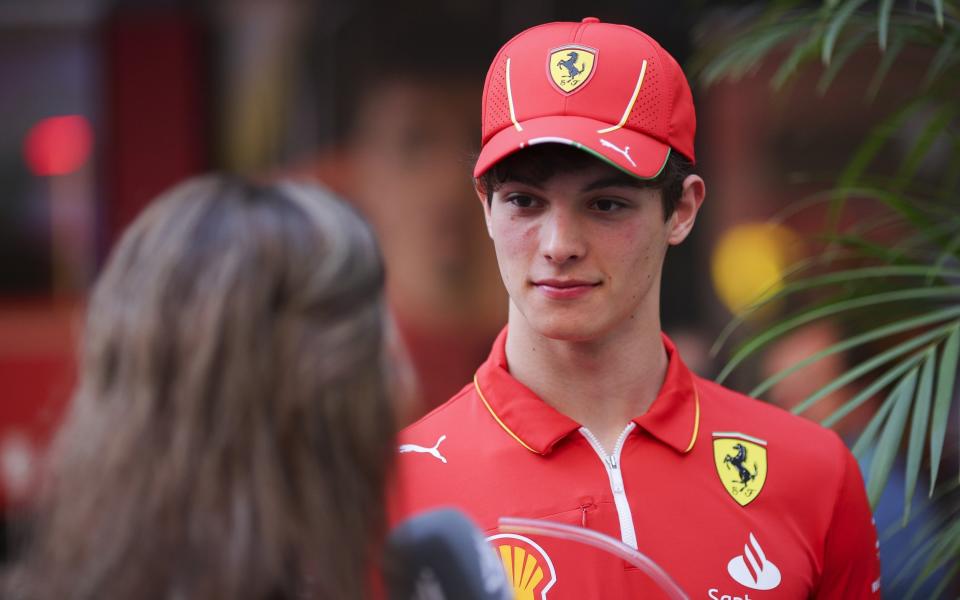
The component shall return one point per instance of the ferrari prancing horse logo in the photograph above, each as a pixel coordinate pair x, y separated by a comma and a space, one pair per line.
571, 66
741, 464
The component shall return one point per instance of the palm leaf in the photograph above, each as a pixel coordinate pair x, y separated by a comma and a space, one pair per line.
868, 365
883, 22
924, 537
867, 439
745, 54
889, 57
800, 54
918, 430
939, 517
869, 391
922, 548
858, 340
946, 580
949, 251
836, 277
938, 11
751, 346
933, 130
867, 248
942, 59
877, 188
835, 26
889, 443
843, 54
922, 243
946, 377
946, 547
869, 149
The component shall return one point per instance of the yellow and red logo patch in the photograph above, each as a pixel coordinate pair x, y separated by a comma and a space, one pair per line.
529, 570
571, 67
741, 462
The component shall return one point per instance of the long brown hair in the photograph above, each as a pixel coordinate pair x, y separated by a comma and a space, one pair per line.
231, 433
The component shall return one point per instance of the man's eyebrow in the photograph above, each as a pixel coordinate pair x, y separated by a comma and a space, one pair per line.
619, 180
525, 180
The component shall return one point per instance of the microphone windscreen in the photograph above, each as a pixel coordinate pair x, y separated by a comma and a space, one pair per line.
441, 554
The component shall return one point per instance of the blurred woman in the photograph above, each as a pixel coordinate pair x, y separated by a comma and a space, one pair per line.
230, 433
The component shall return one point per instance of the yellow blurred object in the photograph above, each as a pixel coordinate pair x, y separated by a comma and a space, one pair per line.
750, 261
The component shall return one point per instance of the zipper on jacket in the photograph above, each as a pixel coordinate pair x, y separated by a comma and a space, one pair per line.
611, 463
585, 505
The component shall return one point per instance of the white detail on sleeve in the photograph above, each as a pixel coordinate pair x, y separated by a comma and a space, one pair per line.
432, 451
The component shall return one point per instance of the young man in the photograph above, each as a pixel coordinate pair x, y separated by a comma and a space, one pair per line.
584, 413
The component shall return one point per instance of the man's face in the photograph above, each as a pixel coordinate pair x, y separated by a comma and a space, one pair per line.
581, 253
411, 178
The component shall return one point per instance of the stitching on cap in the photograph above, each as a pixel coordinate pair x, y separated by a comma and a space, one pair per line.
490, 73
579, 33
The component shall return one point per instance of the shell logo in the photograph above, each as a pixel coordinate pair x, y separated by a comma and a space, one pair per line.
529, 569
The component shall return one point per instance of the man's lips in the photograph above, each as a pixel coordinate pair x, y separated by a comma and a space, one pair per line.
564, 289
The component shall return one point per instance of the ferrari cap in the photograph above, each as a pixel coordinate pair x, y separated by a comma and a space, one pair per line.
608, 89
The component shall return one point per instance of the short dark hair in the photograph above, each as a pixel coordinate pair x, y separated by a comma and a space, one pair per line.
541, 162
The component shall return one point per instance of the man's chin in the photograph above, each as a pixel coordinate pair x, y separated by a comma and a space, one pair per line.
567, 330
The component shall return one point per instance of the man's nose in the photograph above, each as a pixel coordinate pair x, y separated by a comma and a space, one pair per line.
562, 237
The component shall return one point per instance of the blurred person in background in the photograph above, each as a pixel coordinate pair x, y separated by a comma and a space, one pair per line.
231, 431
407, 88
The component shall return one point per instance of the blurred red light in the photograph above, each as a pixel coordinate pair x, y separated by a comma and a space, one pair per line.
58, 145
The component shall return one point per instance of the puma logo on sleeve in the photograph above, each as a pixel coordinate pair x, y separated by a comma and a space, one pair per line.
432, 451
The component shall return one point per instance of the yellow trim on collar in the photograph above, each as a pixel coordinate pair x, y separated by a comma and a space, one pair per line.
476, 384
696, 420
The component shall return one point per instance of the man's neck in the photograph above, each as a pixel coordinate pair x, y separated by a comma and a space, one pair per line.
602, 384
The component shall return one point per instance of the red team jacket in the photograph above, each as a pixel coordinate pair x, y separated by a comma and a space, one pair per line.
732, 497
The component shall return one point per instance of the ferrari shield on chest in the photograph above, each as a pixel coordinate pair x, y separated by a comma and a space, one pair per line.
697, 461
741, 462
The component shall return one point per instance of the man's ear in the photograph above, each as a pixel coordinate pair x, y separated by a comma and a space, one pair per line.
482, 196
685, 213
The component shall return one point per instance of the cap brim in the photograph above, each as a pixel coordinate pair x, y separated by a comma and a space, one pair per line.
632, 152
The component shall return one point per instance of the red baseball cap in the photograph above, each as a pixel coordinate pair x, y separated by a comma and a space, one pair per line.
608, 89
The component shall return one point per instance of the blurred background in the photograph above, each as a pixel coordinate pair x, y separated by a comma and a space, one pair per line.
107, 103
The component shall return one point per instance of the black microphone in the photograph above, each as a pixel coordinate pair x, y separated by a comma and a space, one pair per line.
441, 554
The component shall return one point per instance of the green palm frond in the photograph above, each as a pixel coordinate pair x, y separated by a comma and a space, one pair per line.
946, 379
918, 429
837, 20
751, 346
900, 297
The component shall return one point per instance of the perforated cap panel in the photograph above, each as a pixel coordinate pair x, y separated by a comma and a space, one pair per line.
608, 61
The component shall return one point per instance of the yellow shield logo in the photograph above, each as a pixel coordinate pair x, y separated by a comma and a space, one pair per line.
571, 67
741, 464
529, 570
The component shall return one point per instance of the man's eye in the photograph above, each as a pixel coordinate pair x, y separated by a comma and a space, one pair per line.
607, 205
522, 201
